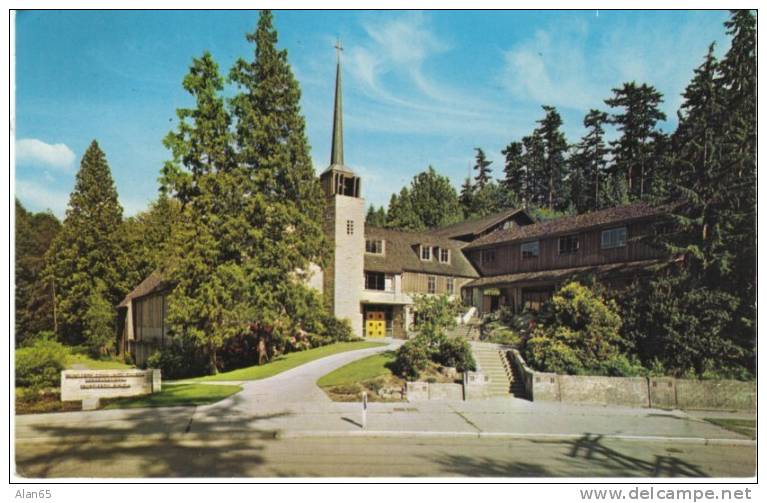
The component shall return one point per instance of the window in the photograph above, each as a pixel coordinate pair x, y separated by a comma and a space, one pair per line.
530, 250
487, 257
450, 286
431, 286
568, 244
350, 227
614, 238
425, 253
375, 281
444, 256
374, 246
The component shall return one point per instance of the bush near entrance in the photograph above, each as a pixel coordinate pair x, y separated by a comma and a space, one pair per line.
435, 315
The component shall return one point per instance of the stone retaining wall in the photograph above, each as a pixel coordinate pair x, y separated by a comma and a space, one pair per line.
658, 392
420, 391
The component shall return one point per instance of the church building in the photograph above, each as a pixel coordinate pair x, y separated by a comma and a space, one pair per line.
505, 259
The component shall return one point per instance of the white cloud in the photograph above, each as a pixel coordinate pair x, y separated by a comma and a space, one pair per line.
39, 197
34, 151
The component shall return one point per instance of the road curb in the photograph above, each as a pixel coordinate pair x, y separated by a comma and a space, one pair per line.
296, 434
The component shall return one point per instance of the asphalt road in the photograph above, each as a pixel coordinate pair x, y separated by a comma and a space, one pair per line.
382, 457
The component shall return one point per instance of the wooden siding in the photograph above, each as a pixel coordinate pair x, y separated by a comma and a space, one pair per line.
508, 257
149, 316
416, 282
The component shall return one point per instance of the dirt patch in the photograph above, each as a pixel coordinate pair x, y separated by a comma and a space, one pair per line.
30, 402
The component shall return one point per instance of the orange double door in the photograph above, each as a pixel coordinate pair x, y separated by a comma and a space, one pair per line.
375, 324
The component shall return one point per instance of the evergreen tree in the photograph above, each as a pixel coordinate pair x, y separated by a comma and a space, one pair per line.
516, 181
401, 213
489, 199
482, 167
376, 217
587, 165
34, 294
434, 200
534, 166
633, 152
88, 249
148, 236
466, 197
553, 168
253, 211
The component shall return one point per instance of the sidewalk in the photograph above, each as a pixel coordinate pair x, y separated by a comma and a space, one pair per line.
501, 418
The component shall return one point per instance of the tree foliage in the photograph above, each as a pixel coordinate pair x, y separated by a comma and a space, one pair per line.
429, 202
88, 250
34, 310
252, 207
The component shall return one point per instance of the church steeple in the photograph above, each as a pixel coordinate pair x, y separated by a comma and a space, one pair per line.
338, 179
337, 149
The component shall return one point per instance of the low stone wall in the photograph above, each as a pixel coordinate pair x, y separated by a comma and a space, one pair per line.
657, 392
475, 386
420, 391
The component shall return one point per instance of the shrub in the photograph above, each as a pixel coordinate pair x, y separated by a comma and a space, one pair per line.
499, 333
40, 365
178, 361
553, 352
411, 359
456, 353
577, 331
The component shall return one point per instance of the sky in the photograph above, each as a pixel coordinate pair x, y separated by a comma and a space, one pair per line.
420, 88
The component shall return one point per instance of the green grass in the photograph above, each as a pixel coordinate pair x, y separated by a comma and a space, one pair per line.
745, 427
286, 362
361, 370
175, 395
84, 361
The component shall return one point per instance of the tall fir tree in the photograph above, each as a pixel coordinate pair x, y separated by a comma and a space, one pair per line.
533, 159
515, 182
34, 310
587, 165
482, 167
632, 153
466, 197
88, 250
553, 168
210, 299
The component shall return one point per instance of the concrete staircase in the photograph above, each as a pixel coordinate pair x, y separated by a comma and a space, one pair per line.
503, 376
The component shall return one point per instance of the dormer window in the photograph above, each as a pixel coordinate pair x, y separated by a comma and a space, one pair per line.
374, 246
444, 256
425, 252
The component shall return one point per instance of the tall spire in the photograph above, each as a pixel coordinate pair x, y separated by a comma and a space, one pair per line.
337, 150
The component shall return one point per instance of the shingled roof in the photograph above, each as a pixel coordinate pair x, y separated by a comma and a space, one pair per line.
556, 275
152, 283
564, 225
401, 253
476, 226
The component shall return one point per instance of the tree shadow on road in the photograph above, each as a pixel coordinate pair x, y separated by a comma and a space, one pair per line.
146, 443
590, 448
472, 466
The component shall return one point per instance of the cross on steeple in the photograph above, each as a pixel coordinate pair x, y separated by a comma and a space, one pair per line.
339, 48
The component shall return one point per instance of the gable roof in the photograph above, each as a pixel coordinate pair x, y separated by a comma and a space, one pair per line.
152, 283
476, 226
550, 228
401, 253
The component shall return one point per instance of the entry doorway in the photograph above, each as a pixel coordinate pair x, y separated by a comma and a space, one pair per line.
375, 324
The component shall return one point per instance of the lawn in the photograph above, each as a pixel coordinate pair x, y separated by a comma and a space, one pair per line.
360, 370
370, 375
745, 427
81, 361
286, 362
175, 395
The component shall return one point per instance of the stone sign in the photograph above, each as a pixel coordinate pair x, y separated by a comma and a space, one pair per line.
92, 385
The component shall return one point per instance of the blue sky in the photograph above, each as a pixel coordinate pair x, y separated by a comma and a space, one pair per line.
420, 88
